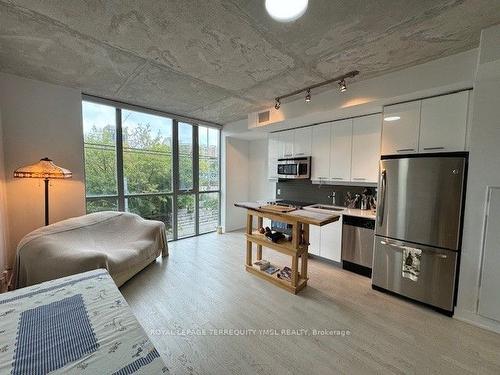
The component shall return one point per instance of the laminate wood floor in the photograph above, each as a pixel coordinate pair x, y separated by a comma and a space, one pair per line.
185, 300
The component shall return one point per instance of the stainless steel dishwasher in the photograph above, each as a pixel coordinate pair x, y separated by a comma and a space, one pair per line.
357, 244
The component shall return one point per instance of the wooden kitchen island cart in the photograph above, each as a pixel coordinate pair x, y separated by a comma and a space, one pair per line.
297, 248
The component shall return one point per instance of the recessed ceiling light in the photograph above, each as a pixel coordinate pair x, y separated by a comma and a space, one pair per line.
392, 118
286, 10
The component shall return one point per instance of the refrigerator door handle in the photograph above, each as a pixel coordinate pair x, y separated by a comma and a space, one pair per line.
436, 255
380, 211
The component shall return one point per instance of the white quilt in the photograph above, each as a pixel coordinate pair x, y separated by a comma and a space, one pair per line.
79, 324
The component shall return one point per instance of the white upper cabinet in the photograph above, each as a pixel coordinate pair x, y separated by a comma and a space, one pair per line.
302, 142
436, 124
287, 139
340, 151
366, 148
320, 161
443, 123
400, 128
274, 152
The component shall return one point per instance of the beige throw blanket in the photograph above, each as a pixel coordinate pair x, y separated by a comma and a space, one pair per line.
123, 243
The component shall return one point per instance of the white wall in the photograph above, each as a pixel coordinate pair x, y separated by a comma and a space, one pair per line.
260, 188
39, 120
3, 206
235, 182
435, 77
483, 172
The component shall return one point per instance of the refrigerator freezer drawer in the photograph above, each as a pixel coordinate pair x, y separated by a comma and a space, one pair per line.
434, 284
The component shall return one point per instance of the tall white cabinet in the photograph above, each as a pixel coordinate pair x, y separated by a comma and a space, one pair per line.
320, 168
341, 150
366, 148
489, 302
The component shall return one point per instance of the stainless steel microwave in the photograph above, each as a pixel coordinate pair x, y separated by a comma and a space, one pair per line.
294, 168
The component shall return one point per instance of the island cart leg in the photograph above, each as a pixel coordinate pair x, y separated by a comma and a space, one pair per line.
303, 261
259, 247
296, 239
249, 243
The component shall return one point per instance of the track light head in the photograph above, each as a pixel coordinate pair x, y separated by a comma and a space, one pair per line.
308, 95
342, 86
277, 105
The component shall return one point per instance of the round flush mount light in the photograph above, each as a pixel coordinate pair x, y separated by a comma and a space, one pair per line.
286, 10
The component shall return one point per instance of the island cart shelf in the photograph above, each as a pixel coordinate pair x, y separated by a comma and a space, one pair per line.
297, 248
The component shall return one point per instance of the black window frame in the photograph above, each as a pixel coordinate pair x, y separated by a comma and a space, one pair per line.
175, 191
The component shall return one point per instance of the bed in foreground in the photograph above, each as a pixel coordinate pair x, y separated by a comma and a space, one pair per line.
77, 324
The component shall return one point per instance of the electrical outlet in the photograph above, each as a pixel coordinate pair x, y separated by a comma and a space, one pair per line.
279, 192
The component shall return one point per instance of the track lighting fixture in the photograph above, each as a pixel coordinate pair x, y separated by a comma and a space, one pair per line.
308, 95
342, 86
340, 80
277, 105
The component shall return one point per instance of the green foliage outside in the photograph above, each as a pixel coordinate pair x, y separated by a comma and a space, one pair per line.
147, 163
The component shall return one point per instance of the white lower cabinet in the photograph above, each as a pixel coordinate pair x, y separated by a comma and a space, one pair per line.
326, 241
314, 239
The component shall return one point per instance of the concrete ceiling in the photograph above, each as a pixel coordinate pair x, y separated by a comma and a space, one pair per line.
218, 60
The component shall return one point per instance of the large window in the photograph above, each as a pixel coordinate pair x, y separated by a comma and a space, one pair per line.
152, 165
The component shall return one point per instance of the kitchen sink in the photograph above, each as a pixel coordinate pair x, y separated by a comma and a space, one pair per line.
325, 207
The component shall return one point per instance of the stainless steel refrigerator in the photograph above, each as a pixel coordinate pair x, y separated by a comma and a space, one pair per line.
418, 227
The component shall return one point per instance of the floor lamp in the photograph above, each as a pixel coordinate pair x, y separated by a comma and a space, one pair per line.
46, 170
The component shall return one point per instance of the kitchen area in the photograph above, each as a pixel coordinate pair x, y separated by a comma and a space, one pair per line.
397, 180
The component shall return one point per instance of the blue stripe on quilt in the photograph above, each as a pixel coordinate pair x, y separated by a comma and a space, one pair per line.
56, 286
53, 335
138, 363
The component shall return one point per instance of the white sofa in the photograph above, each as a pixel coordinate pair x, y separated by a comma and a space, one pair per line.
123, 243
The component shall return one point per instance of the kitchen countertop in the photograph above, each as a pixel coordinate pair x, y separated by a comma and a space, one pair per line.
368, 214
313, 217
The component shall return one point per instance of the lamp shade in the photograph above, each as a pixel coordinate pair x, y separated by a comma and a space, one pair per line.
45, 168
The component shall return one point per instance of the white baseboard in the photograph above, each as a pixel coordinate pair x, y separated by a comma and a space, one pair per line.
477, 320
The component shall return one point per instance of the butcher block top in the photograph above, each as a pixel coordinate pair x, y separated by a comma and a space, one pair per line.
290, 214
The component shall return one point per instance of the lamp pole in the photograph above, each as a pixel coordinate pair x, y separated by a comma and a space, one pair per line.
46, 181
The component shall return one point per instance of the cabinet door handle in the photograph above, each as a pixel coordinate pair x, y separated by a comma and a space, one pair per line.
405, 150
359, 179
287, 155
299, 153
433, 148
336, 178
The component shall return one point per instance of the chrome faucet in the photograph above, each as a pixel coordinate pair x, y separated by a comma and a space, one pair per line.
332, 196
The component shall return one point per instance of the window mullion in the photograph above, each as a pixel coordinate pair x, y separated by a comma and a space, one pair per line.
119, 161
175, 175
196, 181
